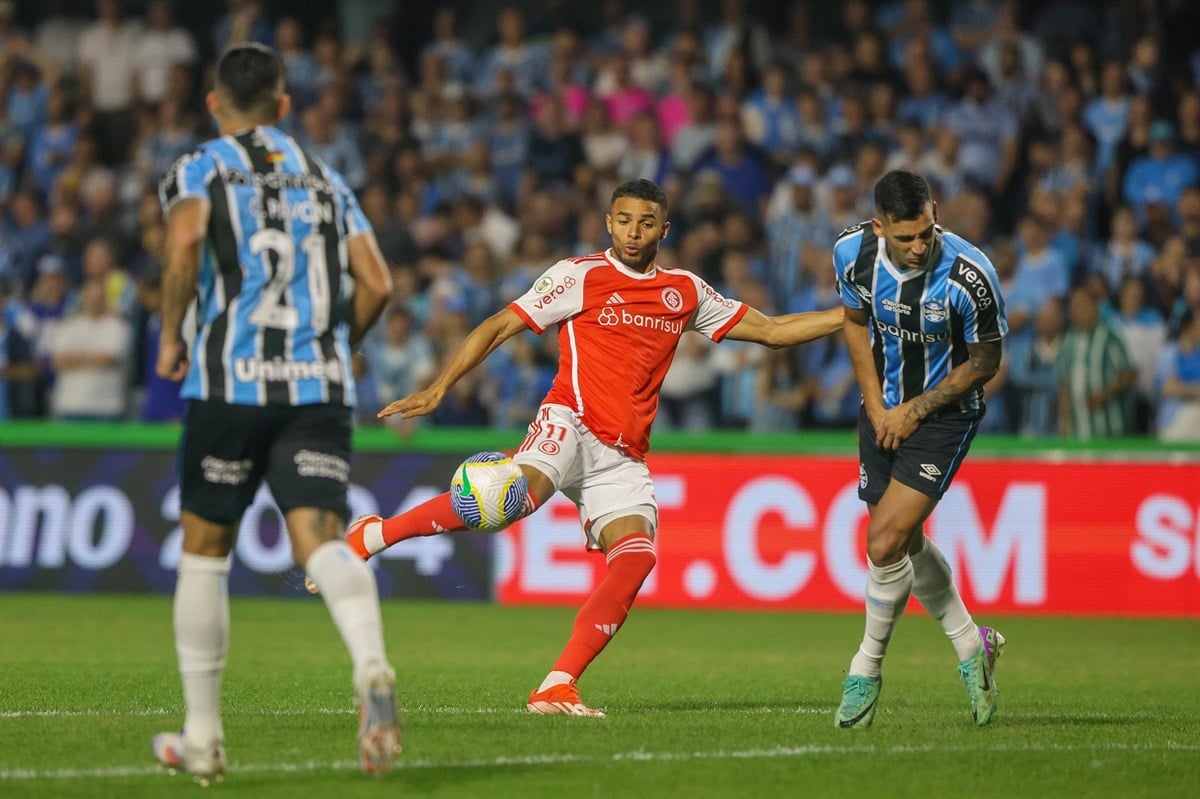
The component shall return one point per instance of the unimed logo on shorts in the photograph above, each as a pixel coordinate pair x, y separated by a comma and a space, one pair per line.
320, 464
225, 472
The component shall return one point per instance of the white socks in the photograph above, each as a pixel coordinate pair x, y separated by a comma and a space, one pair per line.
888, 588
933, 586
201, 614
555, 678
348, 587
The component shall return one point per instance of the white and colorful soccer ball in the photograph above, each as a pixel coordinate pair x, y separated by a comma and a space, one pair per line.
488, 491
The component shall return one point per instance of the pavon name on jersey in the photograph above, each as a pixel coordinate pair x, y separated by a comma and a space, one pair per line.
305, 210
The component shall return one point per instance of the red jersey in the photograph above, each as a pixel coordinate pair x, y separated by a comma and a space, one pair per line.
617, 334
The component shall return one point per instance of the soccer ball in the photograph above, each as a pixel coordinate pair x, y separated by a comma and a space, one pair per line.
488, 491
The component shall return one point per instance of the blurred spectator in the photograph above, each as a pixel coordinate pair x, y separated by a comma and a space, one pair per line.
603, 144
691, 391
172, 135
1145, 333
645, 157
88, 351
616, 88
1040, 265
987, 134
1095, 375
518, 383
1179, 384
923, 101
1124, 254
1107, 115
508, 142
161, 46
917, 22
743, 171
18, 366
243, 21
1155, 181
769, 114
793, 234
1188, 211
51, 148
108, 72
100, 266
736, 34
160, 397
781, 393
27, 93
1034, 374
513, 59
326, 137
832, 387
57, 34
694, 137
403, 363
568, 79
554, 150
450, 48
24, 237
299, 64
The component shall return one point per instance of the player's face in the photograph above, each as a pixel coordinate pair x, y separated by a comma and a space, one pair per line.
911, 243
636, 227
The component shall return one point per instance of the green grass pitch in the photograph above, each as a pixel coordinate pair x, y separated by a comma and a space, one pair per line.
700, 705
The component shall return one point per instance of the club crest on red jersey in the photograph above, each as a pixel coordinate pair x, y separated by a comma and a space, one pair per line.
672, 299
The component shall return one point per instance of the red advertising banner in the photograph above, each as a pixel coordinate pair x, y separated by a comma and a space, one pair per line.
1025, 536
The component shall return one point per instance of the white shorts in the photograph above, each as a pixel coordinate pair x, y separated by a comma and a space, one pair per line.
603, 482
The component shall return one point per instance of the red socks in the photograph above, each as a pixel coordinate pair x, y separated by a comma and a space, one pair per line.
432, 517
629, 563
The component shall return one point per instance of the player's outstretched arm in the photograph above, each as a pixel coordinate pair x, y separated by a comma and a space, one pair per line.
479, 343
786, 330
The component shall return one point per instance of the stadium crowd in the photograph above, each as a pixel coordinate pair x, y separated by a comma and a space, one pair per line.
1062, 136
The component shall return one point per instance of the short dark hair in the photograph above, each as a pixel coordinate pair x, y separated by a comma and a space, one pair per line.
251, 75
901, 195
641, 189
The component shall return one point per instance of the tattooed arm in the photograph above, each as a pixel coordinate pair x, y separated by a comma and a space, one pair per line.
897, 424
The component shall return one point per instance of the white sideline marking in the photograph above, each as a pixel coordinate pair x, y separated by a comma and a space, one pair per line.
332, 711
637, 756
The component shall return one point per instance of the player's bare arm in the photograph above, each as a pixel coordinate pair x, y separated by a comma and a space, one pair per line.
897, 424
187, 226
372, 284
479, 343
787, 330
858, 343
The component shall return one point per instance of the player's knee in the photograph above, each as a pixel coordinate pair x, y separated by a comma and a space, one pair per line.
634, 554
886, 543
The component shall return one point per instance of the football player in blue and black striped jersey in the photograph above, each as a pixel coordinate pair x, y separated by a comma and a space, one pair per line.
924, 320
286, 276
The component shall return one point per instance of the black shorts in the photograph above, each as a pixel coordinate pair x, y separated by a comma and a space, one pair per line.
226, 451
926, 461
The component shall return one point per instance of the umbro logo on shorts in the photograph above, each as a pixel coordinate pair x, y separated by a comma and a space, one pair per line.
930, 471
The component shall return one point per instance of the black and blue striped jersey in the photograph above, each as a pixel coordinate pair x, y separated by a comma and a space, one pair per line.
272, 324
921, 320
